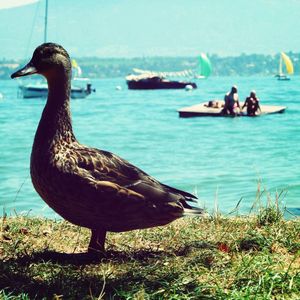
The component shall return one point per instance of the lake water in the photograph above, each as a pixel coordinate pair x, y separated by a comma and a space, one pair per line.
219, 159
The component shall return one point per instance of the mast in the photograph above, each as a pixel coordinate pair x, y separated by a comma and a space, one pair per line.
46, 21
280, 65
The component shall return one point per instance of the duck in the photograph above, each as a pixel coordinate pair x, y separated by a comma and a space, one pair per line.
86, 186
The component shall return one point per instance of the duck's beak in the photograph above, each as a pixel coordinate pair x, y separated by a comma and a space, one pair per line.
27, 70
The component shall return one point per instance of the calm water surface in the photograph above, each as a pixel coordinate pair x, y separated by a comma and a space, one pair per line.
217, 158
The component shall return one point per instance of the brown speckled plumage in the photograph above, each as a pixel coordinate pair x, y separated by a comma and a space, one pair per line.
86, 186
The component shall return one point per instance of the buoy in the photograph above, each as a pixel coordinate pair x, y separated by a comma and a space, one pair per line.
188, 87
118, 88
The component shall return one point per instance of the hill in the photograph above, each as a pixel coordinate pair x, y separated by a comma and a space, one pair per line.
243, 65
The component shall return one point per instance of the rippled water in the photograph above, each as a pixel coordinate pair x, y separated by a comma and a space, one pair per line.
216, 158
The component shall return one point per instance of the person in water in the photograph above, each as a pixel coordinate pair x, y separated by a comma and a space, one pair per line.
252, 103
232, 104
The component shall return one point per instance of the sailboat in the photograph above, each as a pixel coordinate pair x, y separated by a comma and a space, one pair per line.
40, 89
205, 67
284, 59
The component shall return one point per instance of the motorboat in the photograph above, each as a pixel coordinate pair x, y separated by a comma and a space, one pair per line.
40, 90
151, 82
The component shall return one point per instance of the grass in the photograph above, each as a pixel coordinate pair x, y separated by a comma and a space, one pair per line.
211, 258
248, 257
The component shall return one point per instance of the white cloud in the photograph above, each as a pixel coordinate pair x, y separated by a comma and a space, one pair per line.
4, 4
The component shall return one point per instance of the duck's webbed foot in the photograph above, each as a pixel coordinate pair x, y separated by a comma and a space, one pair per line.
97, 242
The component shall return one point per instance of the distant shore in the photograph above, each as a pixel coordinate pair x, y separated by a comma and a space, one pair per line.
243, 65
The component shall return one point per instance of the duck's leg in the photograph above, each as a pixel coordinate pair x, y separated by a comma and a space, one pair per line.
97, 241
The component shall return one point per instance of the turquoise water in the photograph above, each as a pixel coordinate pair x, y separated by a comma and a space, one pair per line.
218, 159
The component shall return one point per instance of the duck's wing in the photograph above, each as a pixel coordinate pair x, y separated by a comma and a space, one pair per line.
109, 169
108, 191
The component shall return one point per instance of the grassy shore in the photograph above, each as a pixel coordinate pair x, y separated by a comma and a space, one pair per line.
253, 257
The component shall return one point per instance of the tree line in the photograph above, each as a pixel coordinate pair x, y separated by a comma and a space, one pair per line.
242, 65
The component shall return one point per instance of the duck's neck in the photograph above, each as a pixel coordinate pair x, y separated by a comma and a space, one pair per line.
55, 124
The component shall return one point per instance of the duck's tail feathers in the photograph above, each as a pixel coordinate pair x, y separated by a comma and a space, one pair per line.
189, 197
195, 211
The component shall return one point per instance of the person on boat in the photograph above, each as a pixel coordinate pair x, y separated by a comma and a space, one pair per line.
252, 103
214, 104
232, 104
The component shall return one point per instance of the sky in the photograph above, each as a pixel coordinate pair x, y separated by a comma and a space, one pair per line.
137, 28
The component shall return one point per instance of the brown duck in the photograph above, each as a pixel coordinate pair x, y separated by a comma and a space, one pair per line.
86, 186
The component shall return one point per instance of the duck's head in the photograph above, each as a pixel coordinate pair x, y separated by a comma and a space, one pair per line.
48, 59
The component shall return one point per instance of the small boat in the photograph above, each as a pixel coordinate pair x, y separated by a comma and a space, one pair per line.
152, 81
284, 59
205, 67
40, 90
205, 110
